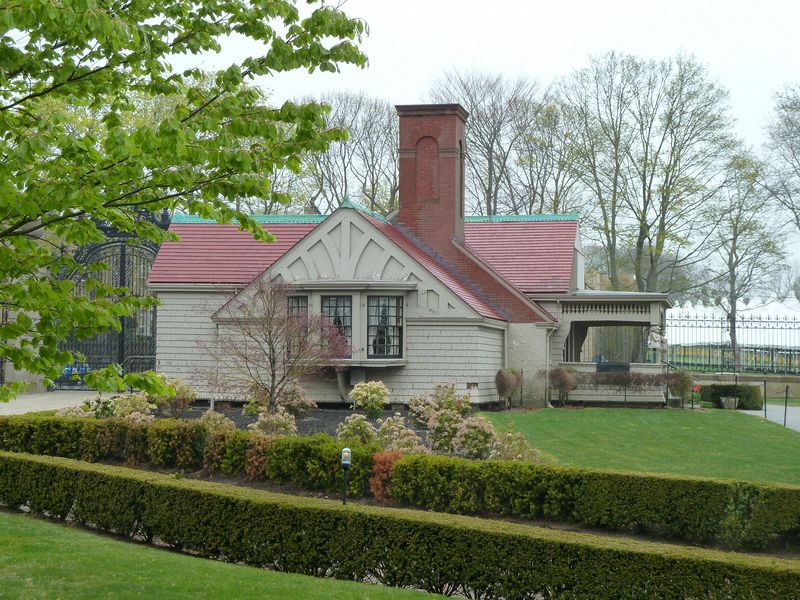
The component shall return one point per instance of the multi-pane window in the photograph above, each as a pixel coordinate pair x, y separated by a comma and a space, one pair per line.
298, 306
339, 310
384, 326
297, 327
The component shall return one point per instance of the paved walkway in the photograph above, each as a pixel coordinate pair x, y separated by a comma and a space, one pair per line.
775, 413
25, 403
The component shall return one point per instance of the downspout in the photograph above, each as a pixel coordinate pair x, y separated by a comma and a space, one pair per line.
341, 383
548, 334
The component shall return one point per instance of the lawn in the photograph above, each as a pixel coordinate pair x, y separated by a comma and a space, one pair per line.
714, 443
39, 559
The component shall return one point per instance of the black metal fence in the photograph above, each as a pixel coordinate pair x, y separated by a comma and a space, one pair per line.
702, 342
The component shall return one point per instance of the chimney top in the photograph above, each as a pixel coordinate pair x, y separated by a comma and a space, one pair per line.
424, 110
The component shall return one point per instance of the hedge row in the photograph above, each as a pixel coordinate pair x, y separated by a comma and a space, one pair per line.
736, 514
749, 395
403, 548
308, 462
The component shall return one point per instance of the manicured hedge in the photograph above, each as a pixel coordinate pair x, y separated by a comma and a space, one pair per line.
736, 514
403, 548
749, 395
308, 462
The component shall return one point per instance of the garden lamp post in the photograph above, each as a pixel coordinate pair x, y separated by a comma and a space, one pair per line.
346, 472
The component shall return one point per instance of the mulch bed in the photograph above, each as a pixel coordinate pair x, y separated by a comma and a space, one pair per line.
318, 420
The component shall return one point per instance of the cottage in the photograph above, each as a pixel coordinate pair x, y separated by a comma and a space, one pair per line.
424, 295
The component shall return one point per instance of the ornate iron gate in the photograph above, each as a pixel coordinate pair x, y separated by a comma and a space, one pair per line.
134, 346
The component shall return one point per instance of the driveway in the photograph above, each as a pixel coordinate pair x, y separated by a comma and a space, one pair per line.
25, 403
775, 413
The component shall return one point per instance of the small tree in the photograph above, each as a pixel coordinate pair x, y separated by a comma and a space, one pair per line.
261, 344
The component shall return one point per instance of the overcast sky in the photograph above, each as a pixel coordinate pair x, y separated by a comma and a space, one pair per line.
751, 48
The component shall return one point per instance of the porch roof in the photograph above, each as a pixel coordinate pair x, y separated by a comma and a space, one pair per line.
608, 296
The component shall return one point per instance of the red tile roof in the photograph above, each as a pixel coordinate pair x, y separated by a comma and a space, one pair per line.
533, 256
435, 268
213, 253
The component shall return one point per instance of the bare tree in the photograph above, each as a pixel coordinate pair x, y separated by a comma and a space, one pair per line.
363, 167
749, 252
783, 180
500, 110
654, 138
543, 177
267, 339
676, 163
598, 97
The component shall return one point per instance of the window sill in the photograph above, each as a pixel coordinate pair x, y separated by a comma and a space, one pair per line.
375, 362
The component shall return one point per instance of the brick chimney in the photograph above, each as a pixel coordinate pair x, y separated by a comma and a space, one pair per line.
432, 202
432, 173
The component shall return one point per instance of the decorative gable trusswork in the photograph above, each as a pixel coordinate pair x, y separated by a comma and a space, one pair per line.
348, 252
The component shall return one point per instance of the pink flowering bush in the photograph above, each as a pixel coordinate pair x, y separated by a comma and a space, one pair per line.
172, 405
512, 445
214, 422
295, 400
75, 411
452, 430
474, 437
139, 417
393, 435
422, 408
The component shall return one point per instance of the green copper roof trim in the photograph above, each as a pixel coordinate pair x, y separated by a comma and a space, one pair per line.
350, 204
181, 219
521, 218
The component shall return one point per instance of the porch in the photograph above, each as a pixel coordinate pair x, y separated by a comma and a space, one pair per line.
615, 344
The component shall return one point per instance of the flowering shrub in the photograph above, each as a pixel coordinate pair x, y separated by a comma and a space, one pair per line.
295, 400
394, 435
355, 429
370, 396
442, 428
214, 421
512, 445
422, 408
139, 417
473, 438
75, 411
279, 422
122, 406
183, 396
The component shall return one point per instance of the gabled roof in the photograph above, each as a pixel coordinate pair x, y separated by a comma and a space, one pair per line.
435, 268
213, 253
534, 253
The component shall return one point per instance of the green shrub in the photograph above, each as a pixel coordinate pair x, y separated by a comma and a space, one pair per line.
749, 395
312, 463
172, 443
734, 514
226, 451
433, 552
